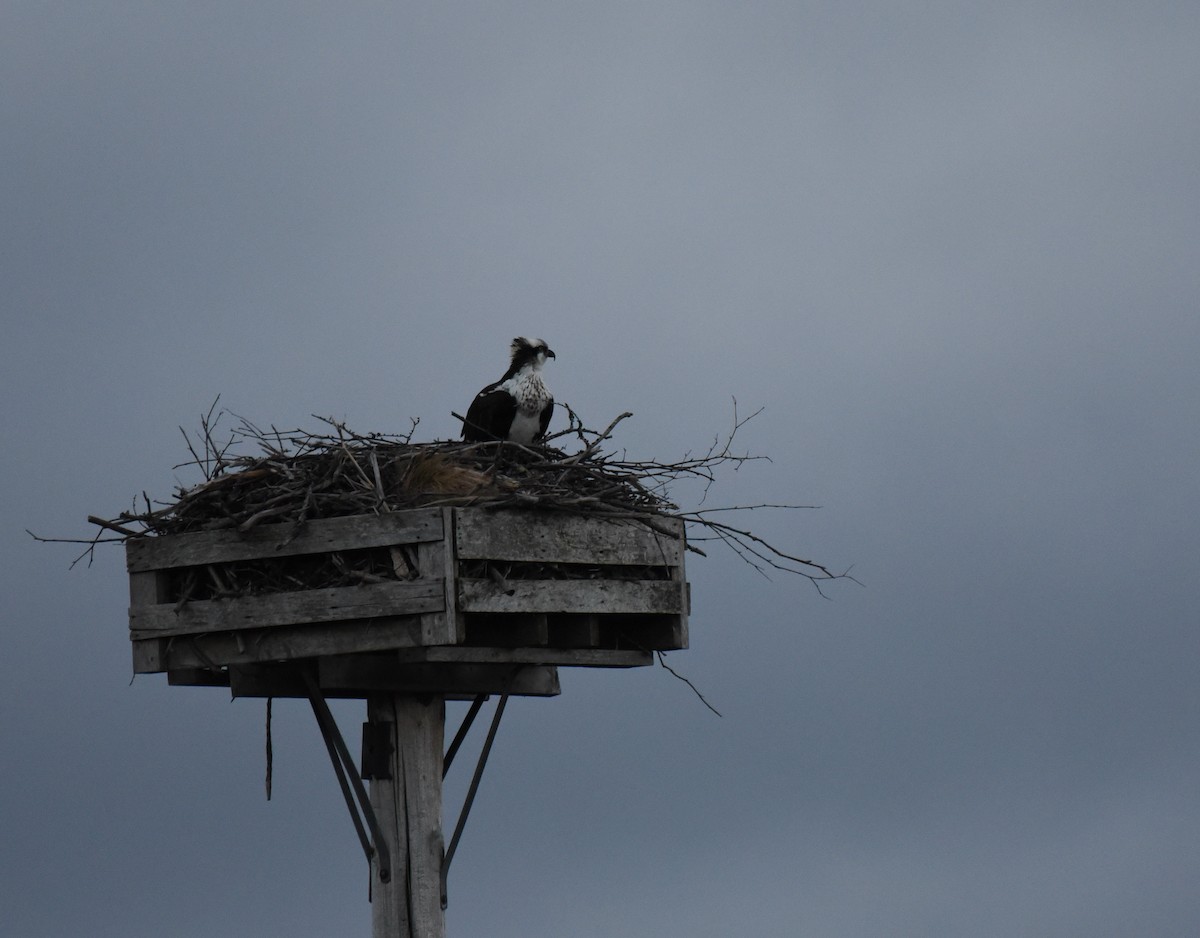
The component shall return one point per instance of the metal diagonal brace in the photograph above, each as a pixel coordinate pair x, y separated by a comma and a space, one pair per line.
476, 704
466, 808
349, 780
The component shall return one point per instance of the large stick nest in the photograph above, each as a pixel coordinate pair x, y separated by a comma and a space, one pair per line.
299, 476
253, 476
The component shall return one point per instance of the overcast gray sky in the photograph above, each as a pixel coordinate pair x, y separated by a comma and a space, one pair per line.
951, 248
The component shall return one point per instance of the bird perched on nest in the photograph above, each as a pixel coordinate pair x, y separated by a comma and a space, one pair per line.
518, 406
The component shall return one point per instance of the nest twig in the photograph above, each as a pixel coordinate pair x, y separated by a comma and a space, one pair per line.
252, 476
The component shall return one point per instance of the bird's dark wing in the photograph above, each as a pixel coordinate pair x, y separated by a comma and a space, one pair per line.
547, 412
490, 415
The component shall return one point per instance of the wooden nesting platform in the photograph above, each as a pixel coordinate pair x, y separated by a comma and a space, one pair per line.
440, 600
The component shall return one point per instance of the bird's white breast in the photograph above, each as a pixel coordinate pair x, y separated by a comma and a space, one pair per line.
525, 427
529, 391
531, 396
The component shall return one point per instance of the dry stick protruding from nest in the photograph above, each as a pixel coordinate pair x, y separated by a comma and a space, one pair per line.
600, 438
299, 475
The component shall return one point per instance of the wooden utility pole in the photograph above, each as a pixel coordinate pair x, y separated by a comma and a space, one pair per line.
408, 806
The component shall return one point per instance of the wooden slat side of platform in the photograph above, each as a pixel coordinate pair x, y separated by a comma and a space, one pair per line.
285, 643
561, 538
613, 590
571, 596
562, 657
415, 526
359, 676
368, 601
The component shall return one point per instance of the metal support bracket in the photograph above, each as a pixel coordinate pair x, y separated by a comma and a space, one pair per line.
483, 756
463, 729
353, 790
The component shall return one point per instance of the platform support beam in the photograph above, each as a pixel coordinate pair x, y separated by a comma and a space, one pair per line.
409, 808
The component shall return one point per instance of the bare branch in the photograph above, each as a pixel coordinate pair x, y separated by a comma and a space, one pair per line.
113, 526
600, 438
662, 660
291, 476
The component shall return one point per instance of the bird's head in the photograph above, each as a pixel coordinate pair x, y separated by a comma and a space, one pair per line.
529, 352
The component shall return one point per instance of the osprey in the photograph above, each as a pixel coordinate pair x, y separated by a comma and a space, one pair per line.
518, 406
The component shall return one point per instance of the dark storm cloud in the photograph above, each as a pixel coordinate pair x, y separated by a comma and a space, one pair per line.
949, 248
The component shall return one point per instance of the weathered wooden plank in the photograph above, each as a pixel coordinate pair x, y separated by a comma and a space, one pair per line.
147, 589
149, 656
358, 676
409, 808
603, 596
560, 657
677, 637
272, 540
559, 538
368, 601
436, 559
280, 644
